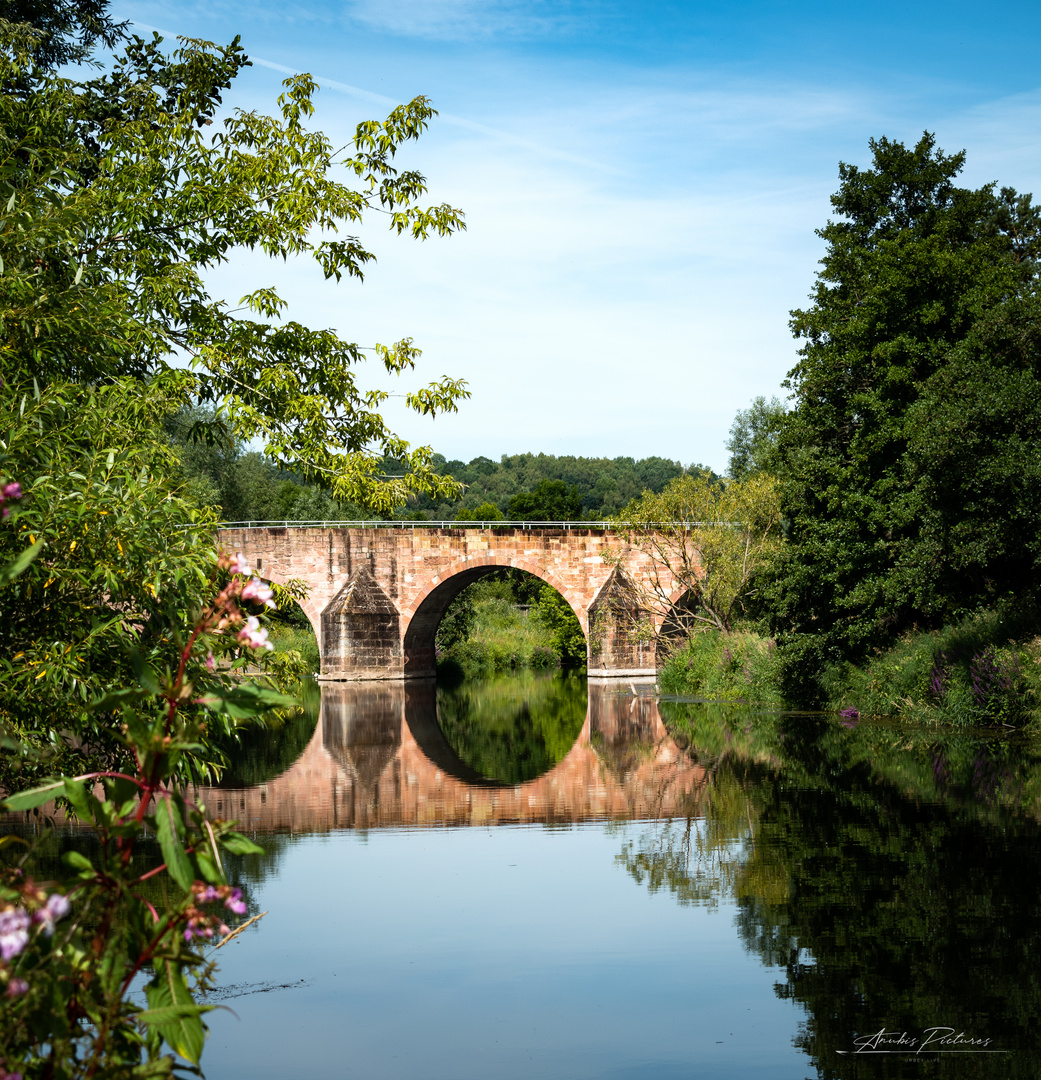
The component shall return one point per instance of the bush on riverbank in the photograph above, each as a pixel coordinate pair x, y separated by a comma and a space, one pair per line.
486, 629
301, 639
985, 670
740, 666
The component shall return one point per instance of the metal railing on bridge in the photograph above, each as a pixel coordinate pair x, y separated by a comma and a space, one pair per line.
463, 524
401, 524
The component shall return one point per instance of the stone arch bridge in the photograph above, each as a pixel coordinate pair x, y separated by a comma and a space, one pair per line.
377, 595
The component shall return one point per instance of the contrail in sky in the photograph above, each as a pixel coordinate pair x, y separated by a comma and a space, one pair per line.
445, 118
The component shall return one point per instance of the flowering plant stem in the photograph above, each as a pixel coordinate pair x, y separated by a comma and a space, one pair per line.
127, 911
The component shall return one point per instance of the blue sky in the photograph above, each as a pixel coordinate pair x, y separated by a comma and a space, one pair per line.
641, 182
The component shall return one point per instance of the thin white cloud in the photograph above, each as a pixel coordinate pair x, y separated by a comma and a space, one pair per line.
467, 20
452, 120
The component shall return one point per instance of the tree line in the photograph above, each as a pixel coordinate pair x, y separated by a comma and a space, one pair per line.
240, 484
897, 491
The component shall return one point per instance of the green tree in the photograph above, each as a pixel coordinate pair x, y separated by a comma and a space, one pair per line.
550, 500
753, 438
708, 539
487, 511
555, 613
910, 465
68, 30
110, 228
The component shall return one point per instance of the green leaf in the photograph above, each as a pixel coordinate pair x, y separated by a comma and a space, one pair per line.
77, 795
78, 861
248, 700
144, 673
208, 868
20, 563
118, 698
26, 800
238, 844
166, 827
166, 1014
183, 1030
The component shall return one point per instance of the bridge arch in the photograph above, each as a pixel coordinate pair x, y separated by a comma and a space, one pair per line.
425, 613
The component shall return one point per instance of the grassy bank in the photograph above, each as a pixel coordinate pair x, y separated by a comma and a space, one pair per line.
983, 671
741, 666
499, 636
507, 622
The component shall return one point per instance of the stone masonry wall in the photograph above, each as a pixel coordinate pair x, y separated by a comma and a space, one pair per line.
412, 574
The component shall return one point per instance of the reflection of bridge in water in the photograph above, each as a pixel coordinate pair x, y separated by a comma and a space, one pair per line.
378, 758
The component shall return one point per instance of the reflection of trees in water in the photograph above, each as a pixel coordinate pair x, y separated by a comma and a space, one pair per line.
513, 728
624, 746
257, 753
698, 858
887, 896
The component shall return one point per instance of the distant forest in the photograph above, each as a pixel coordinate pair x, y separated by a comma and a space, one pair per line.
243, 486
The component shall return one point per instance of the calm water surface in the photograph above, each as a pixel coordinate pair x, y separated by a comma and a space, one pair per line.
522, 879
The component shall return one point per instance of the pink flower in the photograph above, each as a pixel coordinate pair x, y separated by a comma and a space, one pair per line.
255, 589
14, 932
211, 664
239, 565
57, 907
235, 903
11, 492
254, 635
16, 987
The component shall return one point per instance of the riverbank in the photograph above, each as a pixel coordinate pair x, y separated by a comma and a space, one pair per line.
985, 670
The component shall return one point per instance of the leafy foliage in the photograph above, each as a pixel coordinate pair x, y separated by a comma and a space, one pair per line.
509, 619
123, 567
67, 1009
910, 474
551, 500
753, 438
110, 228
708, 540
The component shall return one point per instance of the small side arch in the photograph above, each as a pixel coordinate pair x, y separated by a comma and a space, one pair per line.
307, 605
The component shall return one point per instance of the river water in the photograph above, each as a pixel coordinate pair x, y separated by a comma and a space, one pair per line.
535, 878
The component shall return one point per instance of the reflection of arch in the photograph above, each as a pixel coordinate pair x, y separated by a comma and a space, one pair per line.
421, 720
370, 763
425, 613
